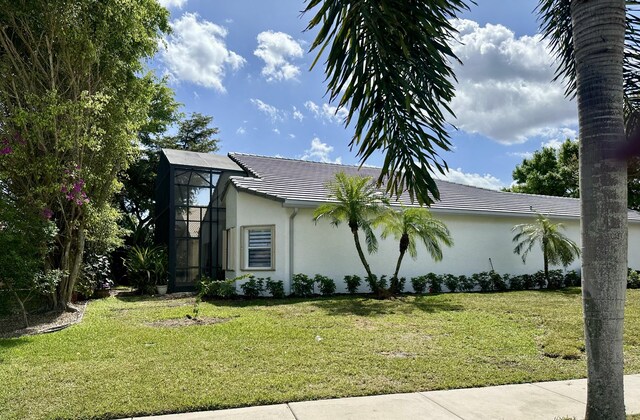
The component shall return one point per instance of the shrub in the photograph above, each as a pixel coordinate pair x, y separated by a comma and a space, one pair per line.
435, 283
302, 285
483, 280
274, 287
516, 282
252, 288
556, 279
146, 267
572, 278
539, 280
452, 282
633, 279
396, 285
528, 281
96, 275
353, 282
326, 285
497, 282
377, 285
210, 288
419, 284
466, 283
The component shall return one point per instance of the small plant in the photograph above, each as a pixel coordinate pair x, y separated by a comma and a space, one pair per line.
353, 282
483, 280
302, 285
497, 281
452, 282
419, 284
252, 288
146, 267
556, 279
467, 284
516, 282
528, 281
224, 289
396, 285
572, 278
326, 285
633, 279
539, 280
275, 288
435, 283
377, 286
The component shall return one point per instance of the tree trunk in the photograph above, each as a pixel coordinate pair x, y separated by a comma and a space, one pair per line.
395, 274
404, 244
356, 238
546, 266
23, 309
71, 264
598, 34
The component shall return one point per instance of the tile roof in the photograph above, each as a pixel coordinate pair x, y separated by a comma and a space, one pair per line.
299, 182
200, 160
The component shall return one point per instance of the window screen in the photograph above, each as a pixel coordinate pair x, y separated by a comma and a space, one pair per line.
259, 247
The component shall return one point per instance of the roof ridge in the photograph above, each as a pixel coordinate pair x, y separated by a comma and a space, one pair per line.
302, 160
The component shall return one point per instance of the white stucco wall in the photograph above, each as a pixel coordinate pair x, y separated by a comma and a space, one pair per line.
324, 249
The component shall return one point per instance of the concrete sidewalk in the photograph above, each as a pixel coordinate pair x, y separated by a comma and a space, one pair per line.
541, 400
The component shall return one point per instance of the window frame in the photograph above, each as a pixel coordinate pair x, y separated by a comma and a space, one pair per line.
245, 247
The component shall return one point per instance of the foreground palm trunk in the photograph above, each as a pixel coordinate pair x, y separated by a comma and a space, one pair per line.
356, 239
598, 33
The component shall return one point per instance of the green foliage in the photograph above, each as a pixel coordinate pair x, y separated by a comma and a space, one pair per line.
213, 289
353, 282
451, 282
516, 282
555, 279
389, 64
326, 285
96, 275
302, 285
252, 288
497, 282
274, 287
483, 280
528, 281
377, 285
419, 284
633, 279
539, 279
572, 278
146, 267
435, 283
466, 284
396, 285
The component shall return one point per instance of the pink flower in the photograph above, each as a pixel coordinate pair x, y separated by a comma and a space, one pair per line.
47, 213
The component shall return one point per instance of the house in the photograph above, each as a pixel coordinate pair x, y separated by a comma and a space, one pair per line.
225, 216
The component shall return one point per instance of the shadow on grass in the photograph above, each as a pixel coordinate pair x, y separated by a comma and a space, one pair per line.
372, 307
9, 343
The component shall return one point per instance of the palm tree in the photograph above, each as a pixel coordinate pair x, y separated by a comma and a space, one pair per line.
357, 203
413, 224
556, 248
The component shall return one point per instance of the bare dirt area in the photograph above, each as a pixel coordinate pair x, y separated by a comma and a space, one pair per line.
41, 323
186, 322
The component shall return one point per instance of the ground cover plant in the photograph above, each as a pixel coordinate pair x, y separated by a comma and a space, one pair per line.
119, 363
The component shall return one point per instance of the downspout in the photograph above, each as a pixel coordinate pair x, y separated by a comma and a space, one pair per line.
293, 216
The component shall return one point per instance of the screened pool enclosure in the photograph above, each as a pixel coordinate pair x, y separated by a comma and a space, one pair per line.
189, 214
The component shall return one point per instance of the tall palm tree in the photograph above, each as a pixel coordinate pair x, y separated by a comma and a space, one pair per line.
358, 203
556, 248
408, 225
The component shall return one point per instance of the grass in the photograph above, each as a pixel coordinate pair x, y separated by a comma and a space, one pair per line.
270, 351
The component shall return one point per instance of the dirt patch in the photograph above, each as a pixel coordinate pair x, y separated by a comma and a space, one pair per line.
397, 354
186, 322
41, 323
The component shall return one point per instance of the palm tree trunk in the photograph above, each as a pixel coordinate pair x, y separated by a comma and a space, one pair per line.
395, 274
598, 33
356, 238
404, 244
546, 266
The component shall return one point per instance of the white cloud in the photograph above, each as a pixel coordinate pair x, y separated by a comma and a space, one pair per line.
271, 111
522, 155
327, 112
277, 49
505, 90
240, 131
276, 131
297, 115
292, 136
172, 3
196, 52
484, 181
320, 151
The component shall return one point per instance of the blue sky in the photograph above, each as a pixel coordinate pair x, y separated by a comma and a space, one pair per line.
246, 63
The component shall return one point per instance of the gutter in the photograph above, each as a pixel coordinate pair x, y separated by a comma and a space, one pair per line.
291, 248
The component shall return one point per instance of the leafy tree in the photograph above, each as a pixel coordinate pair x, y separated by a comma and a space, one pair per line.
549, 172
408, 225
556, 248
73, 93
194, 135
358, 203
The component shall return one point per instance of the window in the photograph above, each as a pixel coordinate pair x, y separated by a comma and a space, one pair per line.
258, 247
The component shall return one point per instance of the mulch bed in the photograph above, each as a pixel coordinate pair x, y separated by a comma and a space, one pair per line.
41, 323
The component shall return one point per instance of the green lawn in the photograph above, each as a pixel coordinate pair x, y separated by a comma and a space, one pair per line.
113, 364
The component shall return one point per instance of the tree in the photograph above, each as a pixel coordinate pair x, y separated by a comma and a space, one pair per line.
408, 225
194, 135
73, 93
358, 203
556, 248
549, 172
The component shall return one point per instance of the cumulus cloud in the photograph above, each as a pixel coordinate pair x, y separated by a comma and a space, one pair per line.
320, 151
240, 131
522, 155
484, 181
172, 3
505, 90
327, 112
196, 52
277, 50
297, 115
271, 111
